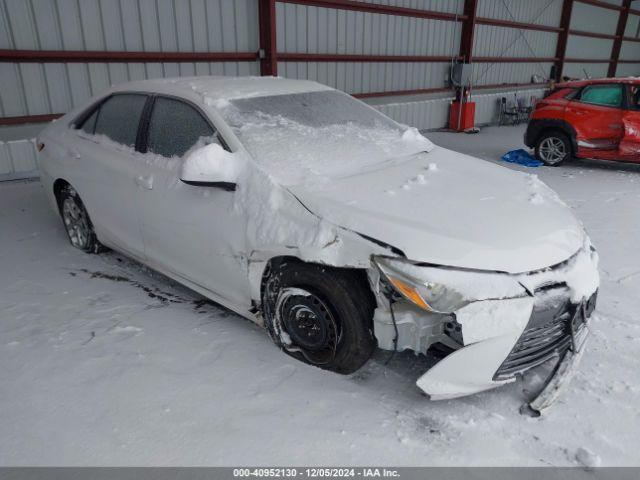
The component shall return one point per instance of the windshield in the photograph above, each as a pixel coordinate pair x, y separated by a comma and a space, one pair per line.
315, 136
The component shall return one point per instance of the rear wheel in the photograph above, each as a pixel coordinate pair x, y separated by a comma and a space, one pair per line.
320, 315
77, 222
553, 148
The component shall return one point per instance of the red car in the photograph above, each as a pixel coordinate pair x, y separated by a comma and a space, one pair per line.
587, 119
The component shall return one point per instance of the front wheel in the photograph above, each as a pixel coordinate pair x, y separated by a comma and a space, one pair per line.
553, 148
320, 315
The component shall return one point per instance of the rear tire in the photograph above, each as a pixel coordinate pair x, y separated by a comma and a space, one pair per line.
553, 148
319, 315
77, 222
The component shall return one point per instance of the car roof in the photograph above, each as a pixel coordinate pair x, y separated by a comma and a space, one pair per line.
592, 81
222, 87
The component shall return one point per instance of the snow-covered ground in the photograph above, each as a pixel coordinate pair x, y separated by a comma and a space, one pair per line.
103, 362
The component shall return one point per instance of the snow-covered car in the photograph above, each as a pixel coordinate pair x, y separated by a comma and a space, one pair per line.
338, 229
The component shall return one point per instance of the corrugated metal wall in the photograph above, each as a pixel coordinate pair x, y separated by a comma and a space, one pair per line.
232, 25
307, 29
320, 30
493, 41
17, 160
115, 25
630, 50
590, 18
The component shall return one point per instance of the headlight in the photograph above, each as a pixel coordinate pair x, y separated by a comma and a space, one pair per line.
445, 290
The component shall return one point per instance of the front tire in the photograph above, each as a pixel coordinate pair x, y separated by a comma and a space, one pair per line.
76, 221
553, 148
320, 315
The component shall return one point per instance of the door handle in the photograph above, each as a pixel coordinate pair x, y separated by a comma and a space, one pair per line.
145, 182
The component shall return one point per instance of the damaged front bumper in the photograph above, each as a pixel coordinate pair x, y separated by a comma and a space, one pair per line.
553, 330
495, 339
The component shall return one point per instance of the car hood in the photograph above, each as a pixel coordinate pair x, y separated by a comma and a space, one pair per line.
447, 208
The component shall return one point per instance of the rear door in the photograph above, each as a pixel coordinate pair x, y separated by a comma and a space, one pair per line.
596, 115
104, 147
188, 230
630, 145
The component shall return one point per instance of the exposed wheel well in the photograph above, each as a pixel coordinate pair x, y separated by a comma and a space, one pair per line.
357, 275
307, 302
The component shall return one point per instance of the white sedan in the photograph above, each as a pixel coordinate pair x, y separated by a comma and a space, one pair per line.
338, 229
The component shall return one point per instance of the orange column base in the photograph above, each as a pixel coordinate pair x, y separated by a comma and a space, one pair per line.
468, 116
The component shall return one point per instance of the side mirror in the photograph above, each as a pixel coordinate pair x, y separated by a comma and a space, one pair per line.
211, 166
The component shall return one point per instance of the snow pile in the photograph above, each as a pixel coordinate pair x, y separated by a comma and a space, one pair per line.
224, 88
218, 102
420, 179
275, 218
211, 163
587, 458
540, 193
536, 199
579, 273
412, 136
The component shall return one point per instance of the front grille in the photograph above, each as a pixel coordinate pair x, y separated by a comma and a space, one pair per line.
547, 334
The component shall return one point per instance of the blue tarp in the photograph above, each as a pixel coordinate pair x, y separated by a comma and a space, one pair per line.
521, 157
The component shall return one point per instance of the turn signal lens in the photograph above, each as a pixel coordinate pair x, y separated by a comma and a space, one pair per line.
410, 293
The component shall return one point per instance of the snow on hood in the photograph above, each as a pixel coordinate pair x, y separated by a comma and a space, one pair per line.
450, 209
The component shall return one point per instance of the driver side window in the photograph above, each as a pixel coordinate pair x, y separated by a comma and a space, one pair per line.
175, 127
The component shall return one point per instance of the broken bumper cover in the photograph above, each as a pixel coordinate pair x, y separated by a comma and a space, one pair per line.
495, 325
554, 328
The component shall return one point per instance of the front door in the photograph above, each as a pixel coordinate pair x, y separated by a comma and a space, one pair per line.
596, 116
104, 147
190, 231
630, 145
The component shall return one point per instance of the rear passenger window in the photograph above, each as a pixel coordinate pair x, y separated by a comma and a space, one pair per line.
606, 95
175, 127
119, 116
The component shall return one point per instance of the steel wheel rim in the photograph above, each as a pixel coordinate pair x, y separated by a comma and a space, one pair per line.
76, 222
552, 150
308, 324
